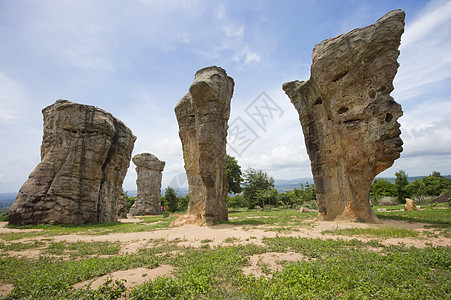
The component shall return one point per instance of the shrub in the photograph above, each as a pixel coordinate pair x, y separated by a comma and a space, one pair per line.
4, 217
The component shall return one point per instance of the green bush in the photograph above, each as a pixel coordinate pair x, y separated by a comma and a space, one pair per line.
130, 202
4, 217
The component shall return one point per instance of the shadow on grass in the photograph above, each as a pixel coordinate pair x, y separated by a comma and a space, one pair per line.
438, 217
69, 226
246, 222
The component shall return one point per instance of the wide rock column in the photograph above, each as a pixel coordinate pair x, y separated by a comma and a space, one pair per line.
148, 200
202, 115
85, 155
348, 117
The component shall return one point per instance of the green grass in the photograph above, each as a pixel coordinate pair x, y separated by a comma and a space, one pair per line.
377, 232
231, 239
48, 278
341, 269
21, 246
280, 220
147, 224
79, 249
389, 207
439, 219
330, 269
428, 215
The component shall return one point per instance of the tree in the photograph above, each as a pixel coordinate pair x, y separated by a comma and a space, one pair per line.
182, 203
254, 183
233, 175
170, 199
287, 199
402, 186
418, 189
383, 187
236, 202
267, 196
130, 202
436, 184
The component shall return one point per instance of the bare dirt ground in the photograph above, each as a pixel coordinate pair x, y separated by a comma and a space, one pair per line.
224, 234
134, 277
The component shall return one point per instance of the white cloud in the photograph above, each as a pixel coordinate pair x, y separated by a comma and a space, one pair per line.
74, 32
279, 148
246, 56
426, 130
425, 63
11, 94
422, 85
434, 18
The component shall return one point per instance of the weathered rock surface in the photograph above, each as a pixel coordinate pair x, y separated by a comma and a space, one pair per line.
148, 200
410, 205
122, 207
202, 115
85, 155
348, 117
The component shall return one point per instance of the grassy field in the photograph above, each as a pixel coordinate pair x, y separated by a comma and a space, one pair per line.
340, 268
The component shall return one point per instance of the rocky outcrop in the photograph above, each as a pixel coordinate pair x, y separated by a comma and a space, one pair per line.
202, 115
148, 200
85, 155
122, 206
410, 205
348, 117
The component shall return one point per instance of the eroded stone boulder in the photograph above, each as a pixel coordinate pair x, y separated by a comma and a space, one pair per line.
410, 205
348, 117
202, 115
85, 155
148, 200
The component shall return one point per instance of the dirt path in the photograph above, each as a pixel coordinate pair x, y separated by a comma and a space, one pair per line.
228, 234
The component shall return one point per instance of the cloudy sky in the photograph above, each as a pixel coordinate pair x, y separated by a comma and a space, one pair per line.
137, 58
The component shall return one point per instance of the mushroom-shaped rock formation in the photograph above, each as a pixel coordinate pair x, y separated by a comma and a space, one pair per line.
202, 115
85, 155
148, 200
348, 117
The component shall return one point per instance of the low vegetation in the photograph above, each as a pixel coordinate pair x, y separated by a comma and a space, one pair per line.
147, 224
378, 232
327, 269
422, 190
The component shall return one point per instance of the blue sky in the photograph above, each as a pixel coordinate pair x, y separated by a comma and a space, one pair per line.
137, 58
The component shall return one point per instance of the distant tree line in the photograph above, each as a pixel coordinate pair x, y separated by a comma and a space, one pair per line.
420, 188
255, 189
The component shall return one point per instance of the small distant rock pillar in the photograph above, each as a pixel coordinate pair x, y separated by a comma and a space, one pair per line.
348, 117
203, 116
148, 200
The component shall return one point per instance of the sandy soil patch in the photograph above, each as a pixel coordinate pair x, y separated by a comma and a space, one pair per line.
5, 289
32, 254
134, 277
3, 229
228, 234
267, 263
130, 219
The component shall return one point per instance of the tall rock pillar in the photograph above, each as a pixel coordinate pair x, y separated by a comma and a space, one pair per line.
348, 117
85, 155
148, 200
202, 115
